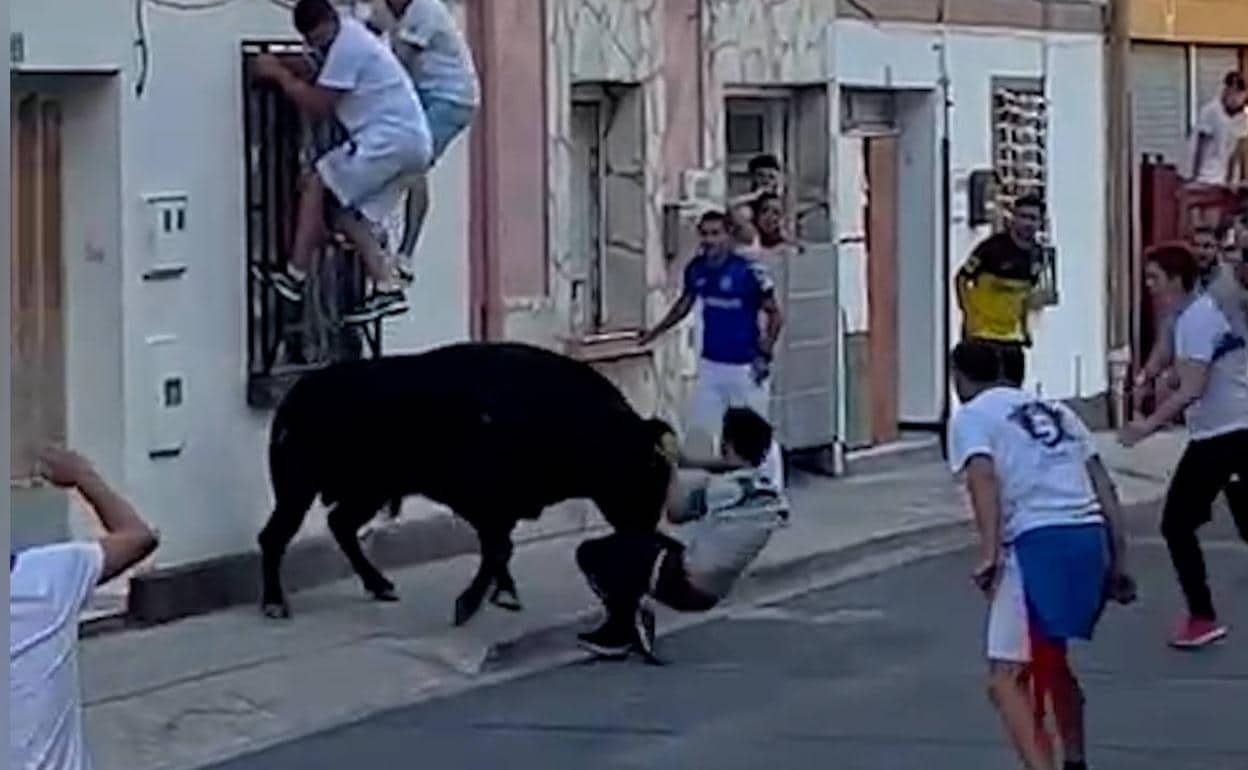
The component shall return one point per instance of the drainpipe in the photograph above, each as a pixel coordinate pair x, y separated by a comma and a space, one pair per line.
946, 235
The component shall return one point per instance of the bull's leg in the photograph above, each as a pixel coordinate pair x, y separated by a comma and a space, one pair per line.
345, 521
492, 572
274, 538
500, 551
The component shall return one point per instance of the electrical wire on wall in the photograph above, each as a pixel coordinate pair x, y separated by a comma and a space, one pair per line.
142, 44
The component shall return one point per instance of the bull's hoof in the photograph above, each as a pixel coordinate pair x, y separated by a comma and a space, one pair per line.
384, 595
507, 599
276, 610
466, 606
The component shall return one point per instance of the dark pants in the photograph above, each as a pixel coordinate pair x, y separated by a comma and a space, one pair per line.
1206, 468
619, 569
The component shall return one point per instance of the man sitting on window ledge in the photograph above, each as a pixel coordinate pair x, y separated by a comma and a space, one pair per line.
363, 84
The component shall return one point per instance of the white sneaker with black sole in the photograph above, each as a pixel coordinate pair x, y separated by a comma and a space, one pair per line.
286, 285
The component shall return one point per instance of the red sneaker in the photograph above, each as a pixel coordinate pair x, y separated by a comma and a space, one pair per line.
1197, 632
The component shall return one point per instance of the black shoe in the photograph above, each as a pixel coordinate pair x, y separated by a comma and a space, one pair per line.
377, 305
610, 640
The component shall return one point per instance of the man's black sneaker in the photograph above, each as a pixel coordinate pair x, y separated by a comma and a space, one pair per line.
376, 305
610, 640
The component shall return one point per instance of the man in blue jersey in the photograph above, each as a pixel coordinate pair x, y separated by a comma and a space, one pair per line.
735, 366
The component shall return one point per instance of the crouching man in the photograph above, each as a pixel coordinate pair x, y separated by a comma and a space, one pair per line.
729, 508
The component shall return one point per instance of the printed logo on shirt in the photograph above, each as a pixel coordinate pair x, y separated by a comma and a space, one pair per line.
1042, 422
1228, 343
725, 283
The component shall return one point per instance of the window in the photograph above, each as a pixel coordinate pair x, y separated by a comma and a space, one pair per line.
1020, 159
282, 345
753, 126
609, 204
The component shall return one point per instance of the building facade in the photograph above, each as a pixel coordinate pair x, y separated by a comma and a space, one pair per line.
564, 218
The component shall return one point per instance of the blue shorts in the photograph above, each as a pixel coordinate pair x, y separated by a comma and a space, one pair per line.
1052, 587
446, 121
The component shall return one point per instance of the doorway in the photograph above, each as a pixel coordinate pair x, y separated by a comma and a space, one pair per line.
36, 312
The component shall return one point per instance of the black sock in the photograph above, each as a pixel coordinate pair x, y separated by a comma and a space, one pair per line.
1075, 766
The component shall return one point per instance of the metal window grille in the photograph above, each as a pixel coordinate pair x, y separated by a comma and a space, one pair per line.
1020, 123
1020, 139
284, 343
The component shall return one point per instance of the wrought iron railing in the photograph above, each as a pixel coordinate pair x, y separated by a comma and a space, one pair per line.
284, 342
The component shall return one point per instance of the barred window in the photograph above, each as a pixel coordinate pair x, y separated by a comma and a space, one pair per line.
282, 343
1019, 145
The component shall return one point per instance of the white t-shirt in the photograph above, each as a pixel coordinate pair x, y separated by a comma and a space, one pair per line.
1039, 451
1230, 296
48, 587
380, 104
1203, 333
443, 67
1224, 132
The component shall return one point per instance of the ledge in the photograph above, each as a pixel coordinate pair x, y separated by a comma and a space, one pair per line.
604, 348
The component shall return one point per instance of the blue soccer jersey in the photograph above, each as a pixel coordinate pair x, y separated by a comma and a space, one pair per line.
732, 294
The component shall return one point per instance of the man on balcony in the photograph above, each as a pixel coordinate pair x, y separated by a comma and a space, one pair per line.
364, 86
1220, 130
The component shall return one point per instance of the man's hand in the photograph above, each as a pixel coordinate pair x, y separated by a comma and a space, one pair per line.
986, 574
1122, 588
1133, 433
64, 467
761, 368
268, 67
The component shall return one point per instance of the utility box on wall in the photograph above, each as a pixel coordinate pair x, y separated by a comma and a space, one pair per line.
166, 382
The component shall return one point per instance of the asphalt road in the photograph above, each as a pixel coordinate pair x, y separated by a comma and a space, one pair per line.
880, 674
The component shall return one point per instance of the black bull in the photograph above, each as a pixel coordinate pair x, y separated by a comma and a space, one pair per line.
495, 431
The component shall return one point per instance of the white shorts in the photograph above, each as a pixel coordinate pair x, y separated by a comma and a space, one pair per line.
721, 386
370, 176
1009, 632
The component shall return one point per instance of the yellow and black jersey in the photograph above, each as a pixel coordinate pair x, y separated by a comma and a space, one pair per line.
993, 288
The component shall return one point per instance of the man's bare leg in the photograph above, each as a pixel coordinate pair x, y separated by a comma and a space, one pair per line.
309, 223
1007, 689
417, 209
370, 250
309, 234
1068, 708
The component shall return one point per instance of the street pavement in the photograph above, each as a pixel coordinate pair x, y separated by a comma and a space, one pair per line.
211, 687
881, 673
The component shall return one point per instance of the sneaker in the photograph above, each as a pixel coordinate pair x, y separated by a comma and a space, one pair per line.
377, 305
607, 641
1197, 632
286, 285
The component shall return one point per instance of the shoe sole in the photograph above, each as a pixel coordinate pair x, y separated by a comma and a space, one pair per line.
280, 287
397, 308
1200, 641
610, 653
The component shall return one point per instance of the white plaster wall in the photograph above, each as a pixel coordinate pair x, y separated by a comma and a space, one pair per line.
1069, 356
186, 134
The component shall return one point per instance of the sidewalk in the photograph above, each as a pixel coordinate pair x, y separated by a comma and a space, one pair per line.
209, 687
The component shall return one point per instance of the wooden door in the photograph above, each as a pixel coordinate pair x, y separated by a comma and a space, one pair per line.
883, 366
36, 314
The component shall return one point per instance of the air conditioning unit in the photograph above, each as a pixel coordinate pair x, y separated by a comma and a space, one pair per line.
696, 184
